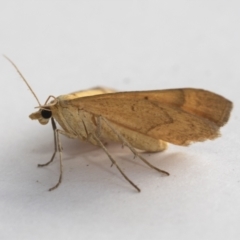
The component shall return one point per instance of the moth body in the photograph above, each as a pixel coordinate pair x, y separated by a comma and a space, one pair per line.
145, 120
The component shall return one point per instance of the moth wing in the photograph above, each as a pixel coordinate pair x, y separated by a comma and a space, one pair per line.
198, 102
148, 113
87, 93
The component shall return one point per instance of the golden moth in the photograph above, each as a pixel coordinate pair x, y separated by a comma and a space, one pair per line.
145, 120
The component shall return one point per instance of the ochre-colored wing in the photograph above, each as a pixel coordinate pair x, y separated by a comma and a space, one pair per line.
178, 116
88, 92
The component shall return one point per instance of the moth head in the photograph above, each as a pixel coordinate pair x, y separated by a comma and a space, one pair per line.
45, 112
42, 115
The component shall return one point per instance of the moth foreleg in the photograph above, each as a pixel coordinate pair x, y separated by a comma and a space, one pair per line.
132, 149
95, 137
55, 144
59, 131
57, 148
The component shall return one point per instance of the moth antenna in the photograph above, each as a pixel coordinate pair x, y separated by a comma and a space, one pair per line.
23, 78
54, 101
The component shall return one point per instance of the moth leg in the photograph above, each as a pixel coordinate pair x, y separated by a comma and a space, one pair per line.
124, 141
55, 142
57, 147
96, 137
54, 127
113, 161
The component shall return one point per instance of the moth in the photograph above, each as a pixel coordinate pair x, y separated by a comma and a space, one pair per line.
145, 120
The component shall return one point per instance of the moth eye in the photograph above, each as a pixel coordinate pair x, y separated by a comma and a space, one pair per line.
46, 114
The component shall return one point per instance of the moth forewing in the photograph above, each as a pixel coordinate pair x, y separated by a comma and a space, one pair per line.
148, 114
